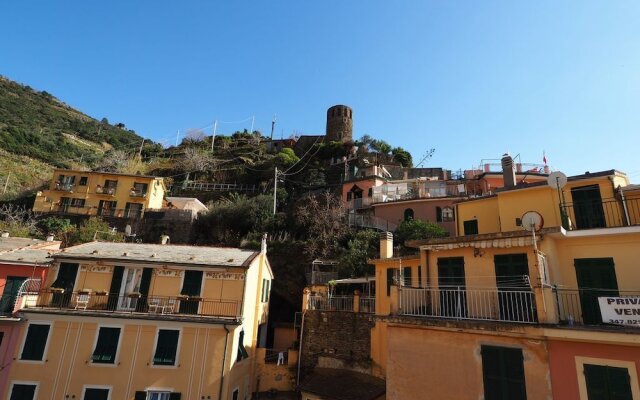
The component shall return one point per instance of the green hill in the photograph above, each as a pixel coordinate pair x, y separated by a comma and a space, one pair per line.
37, 128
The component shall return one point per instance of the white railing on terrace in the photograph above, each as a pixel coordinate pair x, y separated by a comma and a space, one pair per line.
332, 303
504, 304
372, 222
368, 305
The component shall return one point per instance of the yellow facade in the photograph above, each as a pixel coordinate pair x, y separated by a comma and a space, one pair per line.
232, 303
100, 193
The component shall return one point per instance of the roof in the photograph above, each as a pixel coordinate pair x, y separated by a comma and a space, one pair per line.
365, 279
14, 243
27, 256
340, 384
106, 173
161, 254
495, 239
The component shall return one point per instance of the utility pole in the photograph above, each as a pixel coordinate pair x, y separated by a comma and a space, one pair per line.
213, 136
275, 190
6, 183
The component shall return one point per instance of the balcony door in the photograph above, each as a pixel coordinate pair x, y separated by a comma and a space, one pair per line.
515, 298
596, 278
10, 293
451, 283
130, 288
587, 207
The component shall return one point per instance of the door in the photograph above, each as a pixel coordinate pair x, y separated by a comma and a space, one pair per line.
107, 208
10, 293
65, 280
191, 287
451, 283
587, 207
515, 298
129, 292
65, 203
596, 278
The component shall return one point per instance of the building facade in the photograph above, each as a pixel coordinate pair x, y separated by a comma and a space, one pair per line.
153, 322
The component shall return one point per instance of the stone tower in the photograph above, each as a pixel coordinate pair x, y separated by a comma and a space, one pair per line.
339, 124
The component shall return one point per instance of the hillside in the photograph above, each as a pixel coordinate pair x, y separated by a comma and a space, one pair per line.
36, 127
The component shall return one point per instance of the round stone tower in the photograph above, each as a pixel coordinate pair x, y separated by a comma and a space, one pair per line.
339, 124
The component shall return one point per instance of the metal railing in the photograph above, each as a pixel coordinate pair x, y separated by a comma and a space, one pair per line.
105, 212
321, 277
137, 193
605, 213
331, 303
370, 221
580, 306
458, 302
55, 299
356, 204
217, 187
109, 191
63, 187
368, 305
279, 357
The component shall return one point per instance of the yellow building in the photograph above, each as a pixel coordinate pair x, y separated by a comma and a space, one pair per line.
144, 322
500, 313
100, 193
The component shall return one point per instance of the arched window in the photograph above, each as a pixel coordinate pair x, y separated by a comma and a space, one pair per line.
448, 214
408, 214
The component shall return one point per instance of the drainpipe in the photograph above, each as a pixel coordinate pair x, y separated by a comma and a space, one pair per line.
624, 206
224, 361
300, 348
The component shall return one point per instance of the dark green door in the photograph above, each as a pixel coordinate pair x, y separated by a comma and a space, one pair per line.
596, 278
451, 284
191, 287
10, 293
66, 280
607, 383
515, 298
587, 207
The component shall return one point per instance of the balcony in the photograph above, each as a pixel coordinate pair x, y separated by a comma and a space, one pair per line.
134, 305
371, 222
138, 193
95, 211
363, 304
358, 204
63, 187
506, 304
581, 306
107, 191
415, 190
605, 213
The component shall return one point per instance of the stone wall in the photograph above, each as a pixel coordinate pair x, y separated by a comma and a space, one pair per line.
337, 339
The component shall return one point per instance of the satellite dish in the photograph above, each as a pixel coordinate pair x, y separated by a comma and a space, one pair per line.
532, 221
557, 180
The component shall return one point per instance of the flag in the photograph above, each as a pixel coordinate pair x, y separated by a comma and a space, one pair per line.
544, 157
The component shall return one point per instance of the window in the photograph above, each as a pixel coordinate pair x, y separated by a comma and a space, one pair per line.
96, 394
133, 210
139, 189
110, 184
107, 208
370, 192
604, 382
349, 194
106, 346
471, 227
35, 342
83, 181
166, 347
157, 395
242, 352
77, 202
503, 373
266, 287
21, 391
235, 395
448, 214
408, 214
406, 276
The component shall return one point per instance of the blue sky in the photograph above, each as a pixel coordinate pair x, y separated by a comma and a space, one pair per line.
471, 79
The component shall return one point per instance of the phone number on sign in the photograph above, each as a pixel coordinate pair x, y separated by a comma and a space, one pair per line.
625, 321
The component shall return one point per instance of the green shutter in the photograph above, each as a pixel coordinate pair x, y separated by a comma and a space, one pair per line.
503, 373
167, 347
35, 342
610, 383
406, 271
140, 395
174, 396
106, 346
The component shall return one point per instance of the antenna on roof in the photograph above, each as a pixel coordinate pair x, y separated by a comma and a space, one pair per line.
273, 125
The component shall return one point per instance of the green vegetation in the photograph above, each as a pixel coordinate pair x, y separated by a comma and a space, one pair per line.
415, 229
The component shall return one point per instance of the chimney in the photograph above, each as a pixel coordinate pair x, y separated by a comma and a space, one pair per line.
386, 245
165, 239
508, 171
263, 244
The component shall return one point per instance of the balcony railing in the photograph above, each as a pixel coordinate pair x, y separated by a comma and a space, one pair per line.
279, 357
137, 193
167, 306
110, 212
581, 306
372, 222
414, 190
63, 187
109, 191
323, 302
357, 204
457, 302
368, 304
321, 277
605, 213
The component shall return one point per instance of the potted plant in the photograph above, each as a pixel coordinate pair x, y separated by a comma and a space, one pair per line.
134, 295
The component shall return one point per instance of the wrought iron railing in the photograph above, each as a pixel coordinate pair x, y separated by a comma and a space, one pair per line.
104, 212
368, 304
505, 304
273, 356
109, 191
330, 303
134, 303
580, 306
605, 213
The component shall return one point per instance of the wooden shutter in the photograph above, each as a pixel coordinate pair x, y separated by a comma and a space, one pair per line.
166, 348
114, 289
140, 396
471, 227
604, 382
406, 272
35, 342
106, 346
503, 373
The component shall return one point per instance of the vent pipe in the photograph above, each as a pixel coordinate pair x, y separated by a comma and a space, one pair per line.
508, 171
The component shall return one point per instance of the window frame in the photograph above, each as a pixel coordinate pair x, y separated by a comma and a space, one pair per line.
95, 343
18, 382
46, 344
82, 179
90, 386
176, 362
582, 380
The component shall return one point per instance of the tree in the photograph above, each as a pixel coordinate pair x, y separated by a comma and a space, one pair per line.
415, 229
90, 230
360, 248
322, 218
114, 161
58, 227
18, 221
380, 146
195, 160
402, 157
286, 158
